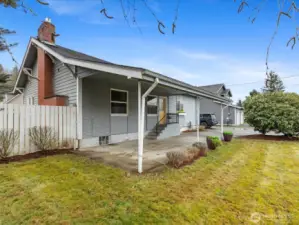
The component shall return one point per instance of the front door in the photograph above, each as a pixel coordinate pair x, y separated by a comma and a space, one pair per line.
162, 112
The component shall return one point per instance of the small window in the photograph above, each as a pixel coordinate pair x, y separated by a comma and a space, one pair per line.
30, 100
152, 105
179, 107
119, 102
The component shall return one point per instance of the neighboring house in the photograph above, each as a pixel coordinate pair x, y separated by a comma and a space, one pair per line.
231, 115
186, 106
108, 96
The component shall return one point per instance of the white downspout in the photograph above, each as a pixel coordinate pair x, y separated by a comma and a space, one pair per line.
79, 110
141, 118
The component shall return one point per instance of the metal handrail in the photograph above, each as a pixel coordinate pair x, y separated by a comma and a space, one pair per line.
159, 123
168, 118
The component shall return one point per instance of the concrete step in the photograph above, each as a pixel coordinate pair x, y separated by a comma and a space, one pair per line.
151, 137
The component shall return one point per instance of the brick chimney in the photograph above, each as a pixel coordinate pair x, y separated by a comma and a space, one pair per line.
46, 95
46, 31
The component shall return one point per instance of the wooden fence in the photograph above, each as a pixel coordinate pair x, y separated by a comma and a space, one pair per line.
62, 119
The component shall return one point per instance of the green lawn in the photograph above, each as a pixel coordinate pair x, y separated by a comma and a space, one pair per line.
238, 183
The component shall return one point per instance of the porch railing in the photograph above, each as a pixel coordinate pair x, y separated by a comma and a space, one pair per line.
171, 118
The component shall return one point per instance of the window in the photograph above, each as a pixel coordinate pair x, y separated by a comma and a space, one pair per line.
152, 105
119, 102
30, 100
179, 107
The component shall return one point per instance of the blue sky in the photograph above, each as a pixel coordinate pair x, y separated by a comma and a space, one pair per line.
212, 44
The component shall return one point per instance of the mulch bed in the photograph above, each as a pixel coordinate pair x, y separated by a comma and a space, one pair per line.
269, 137
35, 155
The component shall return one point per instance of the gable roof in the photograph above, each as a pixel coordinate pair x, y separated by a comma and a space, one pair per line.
71, 57
69, 53
214, 88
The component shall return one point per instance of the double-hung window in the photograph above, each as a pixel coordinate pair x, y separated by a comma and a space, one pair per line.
119, 102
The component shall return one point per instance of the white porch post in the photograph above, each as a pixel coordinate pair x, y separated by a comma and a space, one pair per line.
222, 119
140, 149
79, 108
222, 108
198, 117
141, 126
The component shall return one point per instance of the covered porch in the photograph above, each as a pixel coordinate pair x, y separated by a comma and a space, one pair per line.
115, 108
111, 104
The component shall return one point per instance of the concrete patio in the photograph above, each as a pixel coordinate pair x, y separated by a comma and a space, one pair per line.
124, 155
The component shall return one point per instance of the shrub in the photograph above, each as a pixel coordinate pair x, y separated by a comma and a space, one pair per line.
277, 111
228, 133
193, 153
44, 138
176, 159
8, 139
202, 148
215, 140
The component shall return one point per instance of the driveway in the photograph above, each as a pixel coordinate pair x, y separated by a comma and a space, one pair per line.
124, 155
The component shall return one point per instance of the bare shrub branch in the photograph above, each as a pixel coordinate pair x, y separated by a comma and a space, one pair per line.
44, 138
8, 140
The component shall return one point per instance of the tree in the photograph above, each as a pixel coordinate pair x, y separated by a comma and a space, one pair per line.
273, 111
13, 78
273, 83
253, 93
240, 103
4, 77
7, 80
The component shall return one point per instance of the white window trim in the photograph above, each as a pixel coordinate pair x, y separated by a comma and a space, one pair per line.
154, 115
127, 102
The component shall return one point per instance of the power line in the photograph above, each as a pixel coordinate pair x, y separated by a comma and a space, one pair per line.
253, 82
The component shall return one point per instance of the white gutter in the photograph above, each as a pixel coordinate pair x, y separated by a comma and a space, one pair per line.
142, 115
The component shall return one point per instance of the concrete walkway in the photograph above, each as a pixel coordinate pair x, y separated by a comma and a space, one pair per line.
124, 155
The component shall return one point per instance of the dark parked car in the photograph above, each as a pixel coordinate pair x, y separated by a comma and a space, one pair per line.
208, 120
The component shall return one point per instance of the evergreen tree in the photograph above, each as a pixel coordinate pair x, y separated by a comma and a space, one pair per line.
273, 83
240, 103
253, 93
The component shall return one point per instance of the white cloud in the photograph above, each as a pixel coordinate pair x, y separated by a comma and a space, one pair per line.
87, 11
217, 68
65, 7
197, 55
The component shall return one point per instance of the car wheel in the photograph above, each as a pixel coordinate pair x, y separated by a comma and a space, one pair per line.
204, 124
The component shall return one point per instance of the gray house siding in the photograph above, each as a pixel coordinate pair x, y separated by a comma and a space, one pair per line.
64, 83
189, 103
97, 119
31, 87
209, 106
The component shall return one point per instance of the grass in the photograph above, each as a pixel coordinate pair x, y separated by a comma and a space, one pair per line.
241, 182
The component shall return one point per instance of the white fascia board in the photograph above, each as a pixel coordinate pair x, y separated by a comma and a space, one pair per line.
116, 69
178, 87
22, 65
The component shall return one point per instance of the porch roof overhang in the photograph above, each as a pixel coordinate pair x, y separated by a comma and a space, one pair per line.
100, 65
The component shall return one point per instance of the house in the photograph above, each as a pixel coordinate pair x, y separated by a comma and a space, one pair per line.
232, 114
114, 102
